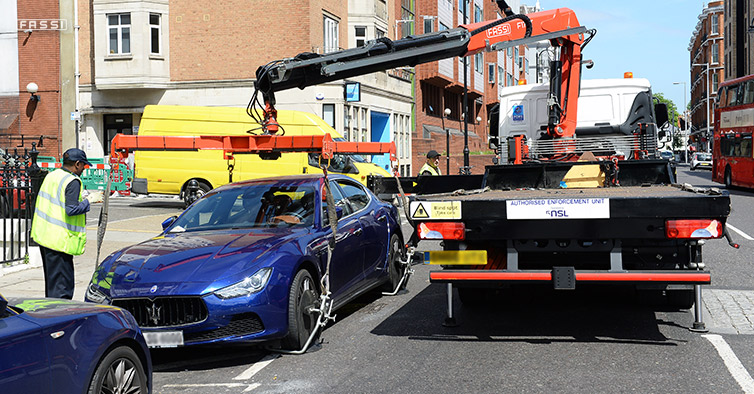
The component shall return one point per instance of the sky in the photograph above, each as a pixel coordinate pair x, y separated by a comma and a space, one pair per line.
649, 38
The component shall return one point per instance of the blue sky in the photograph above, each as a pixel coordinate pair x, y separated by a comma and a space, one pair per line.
648, 38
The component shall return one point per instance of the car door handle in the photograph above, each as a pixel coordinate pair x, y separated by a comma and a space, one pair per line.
382, 219
358, 231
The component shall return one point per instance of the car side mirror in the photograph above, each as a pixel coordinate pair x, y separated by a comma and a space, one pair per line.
339, 212
661, 114
167, 222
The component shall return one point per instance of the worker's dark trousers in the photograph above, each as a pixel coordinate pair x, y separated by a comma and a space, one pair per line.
58, 269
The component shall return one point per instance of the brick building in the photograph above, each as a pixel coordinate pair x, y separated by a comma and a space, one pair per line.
181, 52
707, 66
37, 46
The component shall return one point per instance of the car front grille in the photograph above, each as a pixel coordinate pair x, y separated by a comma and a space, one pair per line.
242, 324
164, 311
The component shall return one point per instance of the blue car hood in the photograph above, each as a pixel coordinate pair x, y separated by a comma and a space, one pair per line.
188, 263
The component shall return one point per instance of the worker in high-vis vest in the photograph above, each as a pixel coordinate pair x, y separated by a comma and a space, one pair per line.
432, 166
59, 223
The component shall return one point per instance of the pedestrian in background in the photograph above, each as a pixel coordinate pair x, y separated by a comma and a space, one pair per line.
431, 167
59, 223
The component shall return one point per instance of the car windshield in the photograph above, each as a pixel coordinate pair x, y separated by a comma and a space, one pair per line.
267, 204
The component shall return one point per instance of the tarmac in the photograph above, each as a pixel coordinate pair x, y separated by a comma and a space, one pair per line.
27, 280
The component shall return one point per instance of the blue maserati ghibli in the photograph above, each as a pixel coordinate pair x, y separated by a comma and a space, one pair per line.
244, 262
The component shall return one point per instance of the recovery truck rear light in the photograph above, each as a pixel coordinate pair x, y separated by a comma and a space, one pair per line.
442, 230
695, 229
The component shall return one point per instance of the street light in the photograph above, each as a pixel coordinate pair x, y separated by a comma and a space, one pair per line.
685, 118
706, 65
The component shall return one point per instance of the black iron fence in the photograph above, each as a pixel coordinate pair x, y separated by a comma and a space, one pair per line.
20, 179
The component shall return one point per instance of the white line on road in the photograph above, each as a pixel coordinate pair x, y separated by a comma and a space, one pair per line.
229, 385
741, 233
732, 362
265, 361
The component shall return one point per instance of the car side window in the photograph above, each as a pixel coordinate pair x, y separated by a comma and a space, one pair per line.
340, 201
355, 195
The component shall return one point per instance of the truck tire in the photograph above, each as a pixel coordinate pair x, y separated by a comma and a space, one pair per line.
472, 297
681, 299
301, 322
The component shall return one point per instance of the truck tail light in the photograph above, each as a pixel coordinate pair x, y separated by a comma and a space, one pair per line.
697, 228
442, 230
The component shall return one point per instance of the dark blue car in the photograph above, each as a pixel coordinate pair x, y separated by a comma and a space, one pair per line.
244, 262
62, 346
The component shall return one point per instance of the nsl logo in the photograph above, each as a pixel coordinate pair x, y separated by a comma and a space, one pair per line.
503, 29
42, 24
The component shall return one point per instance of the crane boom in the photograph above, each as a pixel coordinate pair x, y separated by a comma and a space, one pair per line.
560, 26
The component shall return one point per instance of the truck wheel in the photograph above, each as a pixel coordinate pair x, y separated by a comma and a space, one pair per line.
728, 178
393, 268
203, 189
302, 297
681, 299
472, 297
120, 371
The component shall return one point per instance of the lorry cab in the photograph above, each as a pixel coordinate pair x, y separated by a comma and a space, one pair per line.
168, 172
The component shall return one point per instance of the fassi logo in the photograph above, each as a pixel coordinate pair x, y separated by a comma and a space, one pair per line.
42, 24
499, 30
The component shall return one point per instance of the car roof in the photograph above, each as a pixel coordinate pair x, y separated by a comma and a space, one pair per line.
301, 178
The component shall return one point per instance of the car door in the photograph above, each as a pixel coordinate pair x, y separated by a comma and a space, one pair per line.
374, 222
24, 362
345, 266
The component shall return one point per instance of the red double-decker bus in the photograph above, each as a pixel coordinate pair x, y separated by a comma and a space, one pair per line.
732, 160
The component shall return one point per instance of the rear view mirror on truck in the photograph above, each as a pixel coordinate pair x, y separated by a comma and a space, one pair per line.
661, 114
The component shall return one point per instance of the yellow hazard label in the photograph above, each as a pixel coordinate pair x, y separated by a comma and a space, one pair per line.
435, 210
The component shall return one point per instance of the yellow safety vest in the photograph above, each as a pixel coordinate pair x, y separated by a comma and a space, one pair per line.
432, 170
51, 226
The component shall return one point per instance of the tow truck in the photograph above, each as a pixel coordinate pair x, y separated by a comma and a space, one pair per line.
560, 214
570, 211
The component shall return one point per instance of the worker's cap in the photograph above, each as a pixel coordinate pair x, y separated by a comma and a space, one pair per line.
432, 154
75, 154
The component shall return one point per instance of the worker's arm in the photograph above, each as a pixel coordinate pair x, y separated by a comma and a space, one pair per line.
73, 206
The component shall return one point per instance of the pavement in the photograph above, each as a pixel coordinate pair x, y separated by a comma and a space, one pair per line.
27, 280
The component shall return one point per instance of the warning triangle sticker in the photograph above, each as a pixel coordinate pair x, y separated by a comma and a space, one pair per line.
420, 212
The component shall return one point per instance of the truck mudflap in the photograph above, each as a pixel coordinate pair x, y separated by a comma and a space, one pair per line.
556, 276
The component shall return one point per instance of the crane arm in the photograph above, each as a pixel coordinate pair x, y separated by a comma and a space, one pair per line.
560, 26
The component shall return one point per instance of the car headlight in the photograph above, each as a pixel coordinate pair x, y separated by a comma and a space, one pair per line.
249, 285
94, 294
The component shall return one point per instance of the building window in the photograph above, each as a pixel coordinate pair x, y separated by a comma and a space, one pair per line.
509, 80
508, 51
429, 24
463, 8
154, 30
361, 35
119, 26
714, 25
478, 60
715, 53
443, 26
500, 71
516, 58
330, 34
379, 33
714, 82
491, 72
477, 13
328, 114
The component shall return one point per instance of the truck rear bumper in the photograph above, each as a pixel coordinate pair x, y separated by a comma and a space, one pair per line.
497, 276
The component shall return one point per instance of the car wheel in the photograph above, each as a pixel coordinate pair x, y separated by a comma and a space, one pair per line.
120, 371
693, 168
203, 189
302, 298
394, 262
728, 178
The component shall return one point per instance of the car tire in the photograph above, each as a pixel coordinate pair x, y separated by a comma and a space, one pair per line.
728, 179
120, 371
302, 296
394, 261
203, 189
693, 168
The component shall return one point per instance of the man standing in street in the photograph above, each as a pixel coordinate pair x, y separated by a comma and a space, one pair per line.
431, 167
59, 223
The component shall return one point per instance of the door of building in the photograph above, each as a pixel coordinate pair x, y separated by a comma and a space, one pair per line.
116, 124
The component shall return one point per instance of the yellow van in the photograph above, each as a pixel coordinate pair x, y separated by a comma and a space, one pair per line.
168, 172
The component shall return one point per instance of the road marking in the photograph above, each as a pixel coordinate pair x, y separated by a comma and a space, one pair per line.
741, 233
258, 366
732, 362
249, 387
